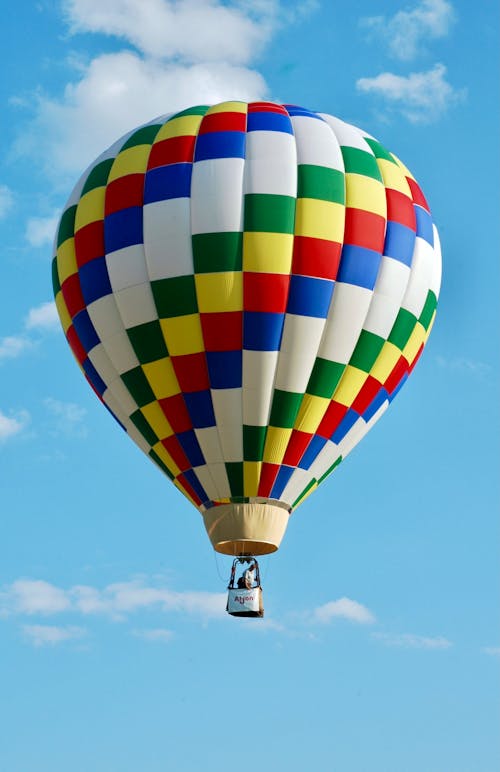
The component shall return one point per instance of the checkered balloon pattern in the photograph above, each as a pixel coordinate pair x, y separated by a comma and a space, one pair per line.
246, 287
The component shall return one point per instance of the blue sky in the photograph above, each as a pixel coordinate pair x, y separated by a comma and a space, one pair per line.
380, 646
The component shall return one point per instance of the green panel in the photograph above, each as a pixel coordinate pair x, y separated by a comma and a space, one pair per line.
379, 150
358, 161
144, 136
56, 285
148, 342
197, 110
269, 213
306, 489
217, 252
367, 350
143, 426
138, 386
254, 438
66, 226
330, 470
402, 329
98, 177
324, 378
234, 471
428, 310
156, 458
285, 408
321, 182
175, 297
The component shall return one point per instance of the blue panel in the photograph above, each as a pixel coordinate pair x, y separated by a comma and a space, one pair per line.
399, 242
268, 121
262, 330
94, 377
309, 296
85, 330
123, 228
312, 451
165, 182
424, 224
359, 266
94, 280
191, 448
347, 423
224, 369
374, 405
195, 484
199, 407
398, 387
220, 144
296, 110
282, 478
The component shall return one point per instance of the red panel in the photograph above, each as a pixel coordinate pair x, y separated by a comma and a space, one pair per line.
331, 419
416, 192
187, 487
265, 292
171, 151
266, 107
367, 393
398, 371
174, 447
400, 209
191, 371
267, 477
222, 332
76, 346
315, 257
364, 229
296, 447
223, 122
89, 242
72, 294
124, 192
176, 413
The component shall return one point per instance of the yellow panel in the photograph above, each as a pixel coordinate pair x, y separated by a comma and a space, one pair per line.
167, 459
320, 219
66, 260
365, 193
267, 252
90, 208
311, 412
414, 342
63, 312
393, 176
186, 125
133, 160
431, 324
218, 292
385, 362
350, 385
404, 169
251, 477
155, 417
276, 444
162, 378
183, 334
228, 107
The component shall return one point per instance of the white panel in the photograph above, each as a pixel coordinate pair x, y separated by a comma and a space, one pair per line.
435, 283
346, 134
102, 363
122, 397
346, 316
257, 406
216, 200
227, 404
298, 351
295, 485
120, 352
167, 238
136, 305
127, 267
204, 476
259, 368
420, 277
388, 294
316, 143
359, 429
136, 436
219, 476
270, 165
105, 317
208, 439
326, 457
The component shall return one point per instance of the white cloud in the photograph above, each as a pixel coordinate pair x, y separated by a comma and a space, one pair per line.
69, 416
35, 596
41, 230
463, 365
410, 641
421, 97
493, 651
408, 33
13, 346
6, 201
13, 424
155, 635
48, 635
43, 317
343, 608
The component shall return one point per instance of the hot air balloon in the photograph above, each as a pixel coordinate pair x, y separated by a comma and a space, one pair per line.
246, 287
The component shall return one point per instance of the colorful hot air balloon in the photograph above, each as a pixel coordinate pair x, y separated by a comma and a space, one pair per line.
246, 287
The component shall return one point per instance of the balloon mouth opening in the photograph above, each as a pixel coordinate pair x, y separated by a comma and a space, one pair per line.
245, 547
254, 528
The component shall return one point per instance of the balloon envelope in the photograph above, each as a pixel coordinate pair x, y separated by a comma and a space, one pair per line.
246, 287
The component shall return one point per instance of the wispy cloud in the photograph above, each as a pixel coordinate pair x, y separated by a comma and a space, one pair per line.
69, 417
6, 201
43, 317
40, 231
421, 97
154, 635
13, 424
492, 651
410, 641
12, 346
463, 365
408, 33
343, 608
48, 635
35, 596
